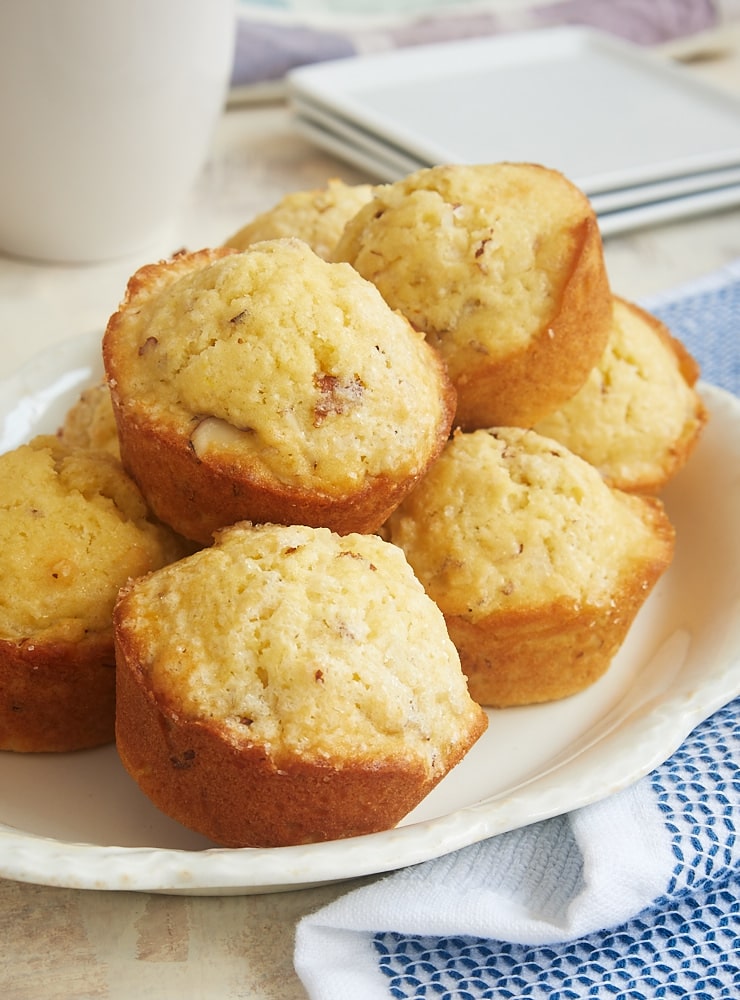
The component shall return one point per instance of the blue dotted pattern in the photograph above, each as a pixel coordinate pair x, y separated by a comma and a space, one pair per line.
686, 946
698, 792
708, 324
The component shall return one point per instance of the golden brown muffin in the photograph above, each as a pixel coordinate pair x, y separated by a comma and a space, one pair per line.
637, 417
90, 422
73, 530
537, 564
317, 216
288, 685
270, 385
501, 266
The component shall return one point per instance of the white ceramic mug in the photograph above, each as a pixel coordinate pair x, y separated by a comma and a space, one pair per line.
107, 109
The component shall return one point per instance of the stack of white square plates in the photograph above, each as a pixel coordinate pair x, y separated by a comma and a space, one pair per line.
641, 136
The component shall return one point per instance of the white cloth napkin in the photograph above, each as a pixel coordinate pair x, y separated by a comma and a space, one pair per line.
634, 896
613, 900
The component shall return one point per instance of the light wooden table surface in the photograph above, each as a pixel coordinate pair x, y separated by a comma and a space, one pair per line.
65, 944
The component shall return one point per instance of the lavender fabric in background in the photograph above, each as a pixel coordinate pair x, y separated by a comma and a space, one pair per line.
267, 52
270, 45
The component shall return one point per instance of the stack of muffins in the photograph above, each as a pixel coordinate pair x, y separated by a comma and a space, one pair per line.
400, 449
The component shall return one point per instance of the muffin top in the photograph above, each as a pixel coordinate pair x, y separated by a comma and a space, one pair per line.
476, 256
302, 641
278, 356
317, 216
509, 519
637, 414
73, 530
90, 422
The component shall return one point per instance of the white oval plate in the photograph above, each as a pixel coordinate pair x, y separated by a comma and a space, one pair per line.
78, 820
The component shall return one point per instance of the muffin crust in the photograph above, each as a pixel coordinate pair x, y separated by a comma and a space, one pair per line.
73, 530
538, 566
312, 691
501, 266
638, 416
270, 385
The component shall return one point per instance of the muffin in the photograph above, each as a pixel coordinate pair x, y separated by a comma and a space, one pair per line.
90, 423
271, 386
73, 530
288, 685
501, 266
537, 564
317, 216
638, 416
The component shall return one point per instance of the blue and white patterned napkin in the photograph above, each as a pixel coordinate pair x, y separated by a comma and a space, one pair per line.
633, 897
